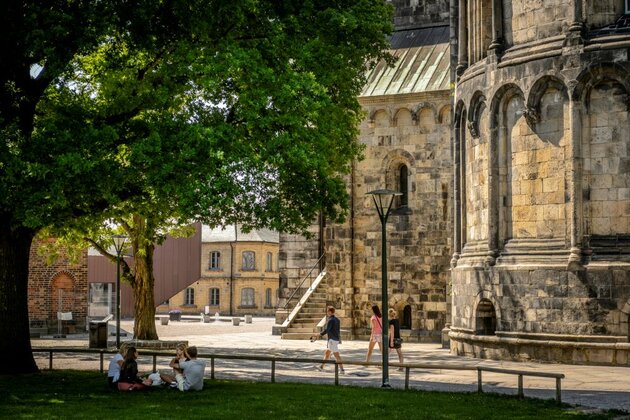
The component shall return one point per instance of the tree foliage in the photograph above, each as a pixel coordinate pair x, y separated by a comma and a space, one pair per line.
221, 111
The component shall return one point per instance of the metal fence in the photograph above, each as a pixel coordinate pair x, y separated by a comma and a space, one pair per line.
408, 367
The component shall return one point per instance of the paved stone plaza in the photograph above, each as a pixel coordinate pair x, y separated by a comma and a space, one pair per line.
590, 386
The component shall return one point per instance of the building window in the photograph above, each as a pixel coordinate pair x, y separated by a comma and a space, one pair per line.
269, 261
247, 297
268, 298
249, 260
400, 182
627, 6
190, 296
403, 186
215, 260
101, 299
214, 297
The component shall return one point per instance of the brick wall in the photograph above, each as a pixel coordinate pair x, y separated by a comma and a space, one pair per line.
48, 282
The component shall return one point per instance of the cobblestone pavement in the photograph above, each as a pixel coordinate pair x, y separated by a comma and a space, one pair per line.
589, 386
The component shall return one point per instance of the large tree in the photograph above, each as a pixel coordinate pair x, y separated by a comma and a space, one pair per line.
106, 106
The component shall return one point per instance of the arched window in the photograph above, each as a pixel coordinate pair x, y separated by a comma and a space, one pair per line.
269, 261
403, 185
214, 296
486, 318
249, 261
215, 260
247, 297
268, 298
189, 299
406, 320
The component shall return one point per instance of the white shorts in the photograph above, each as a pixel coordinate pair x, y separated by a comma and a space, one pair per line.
333, 345
377, 338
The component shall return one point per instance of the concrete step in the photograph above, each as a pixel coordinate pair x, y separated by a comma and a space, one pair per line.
318, 295
296, 336
311, 330
312, 325
313, 310
308, 317
320, 301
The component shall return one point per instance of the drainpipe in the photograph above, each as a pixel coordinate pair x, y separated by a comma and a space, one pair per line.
232, 244
352, 250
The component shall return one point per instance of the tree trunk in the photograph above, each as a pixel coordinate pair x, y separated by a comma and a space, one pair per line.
15, 341
144, 306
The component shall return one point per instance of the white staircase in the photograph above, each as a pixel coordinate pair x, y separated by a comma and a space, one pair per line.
308, 313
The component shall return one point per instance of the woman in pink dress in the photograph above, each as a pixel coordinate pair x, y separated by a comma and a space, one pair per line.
377, 332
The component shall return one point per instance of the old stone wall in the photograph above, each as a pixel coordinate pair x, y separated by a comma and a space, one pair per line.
542, 130
412, 13
400, 136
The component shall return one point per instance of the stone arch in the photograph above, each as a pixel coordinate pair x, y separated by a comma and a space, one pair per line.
444, 115
626, 310
404, 117
594, 75
399, 163
422, 106
535, 114
380, 117
403, 305
506, 108
62, 293
604, 148
459, 160
481, 300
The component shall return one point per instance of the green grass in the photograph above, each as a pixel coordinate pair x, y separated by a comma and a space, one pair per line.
80, 394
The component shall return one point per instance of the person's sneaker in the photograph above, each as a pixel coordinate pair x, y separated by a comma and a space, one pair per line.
342, 371
321, 369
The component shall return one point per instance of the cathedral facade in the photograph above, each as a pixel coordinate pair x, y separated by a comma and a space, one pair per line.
407, 141
541, 142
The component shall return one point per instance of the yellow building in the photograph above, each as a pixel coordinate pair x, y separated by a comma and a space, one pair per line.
239, 274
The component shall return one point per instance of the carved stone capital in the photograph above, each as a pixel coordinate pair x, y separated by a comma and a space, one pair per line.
531, 116
473, 128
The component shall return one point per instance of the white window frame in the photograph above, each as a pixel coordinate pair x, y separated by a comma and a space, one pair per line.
189, 296
248, 264
215, 260
248, 297
215, 296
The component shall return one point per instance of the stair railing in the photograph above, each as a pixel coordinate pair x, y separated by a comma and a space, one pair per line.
302, 282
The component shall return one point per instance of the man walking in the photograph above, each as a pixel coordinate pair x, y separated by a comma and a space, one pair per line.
333, 330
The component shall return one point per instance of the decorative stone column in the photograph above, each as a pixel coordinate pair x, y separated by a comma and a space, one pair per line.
575, 180
497, 27
462, 63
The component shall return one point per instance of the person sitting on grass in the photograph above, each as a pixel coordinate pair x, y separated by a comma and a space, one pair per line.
192, 370
129, 379
180, 353
113, 373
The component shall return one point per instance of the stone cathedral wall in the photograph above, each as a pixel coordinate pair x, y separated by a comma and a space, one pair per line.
541, 265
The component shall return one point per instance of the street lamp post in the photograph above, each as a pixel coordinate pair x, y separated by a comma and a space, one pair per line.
383, 200
119, 243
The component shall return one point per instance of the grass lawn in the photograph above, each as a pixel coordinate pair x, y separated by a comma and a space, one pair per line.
81, 394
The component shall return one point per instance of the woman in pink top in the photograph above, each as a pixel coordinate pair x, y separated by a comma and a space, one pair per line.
377, 332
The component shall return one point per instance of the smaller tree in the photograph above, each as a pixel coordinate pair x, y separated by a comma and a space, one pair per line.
245, 114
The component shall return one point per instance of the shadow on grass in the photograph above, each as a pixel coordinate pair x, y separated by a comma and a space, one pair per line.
80, 394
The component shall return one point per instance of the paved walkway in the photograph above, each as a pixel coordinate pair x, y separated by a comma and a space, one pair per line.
590, 386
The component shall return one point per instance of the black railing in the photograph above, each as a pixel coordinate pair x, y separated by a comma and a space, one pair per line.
302, 282
273, 360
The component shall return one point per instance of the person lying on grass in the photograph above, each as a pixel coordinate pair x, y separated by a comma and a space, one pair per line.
192, 370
